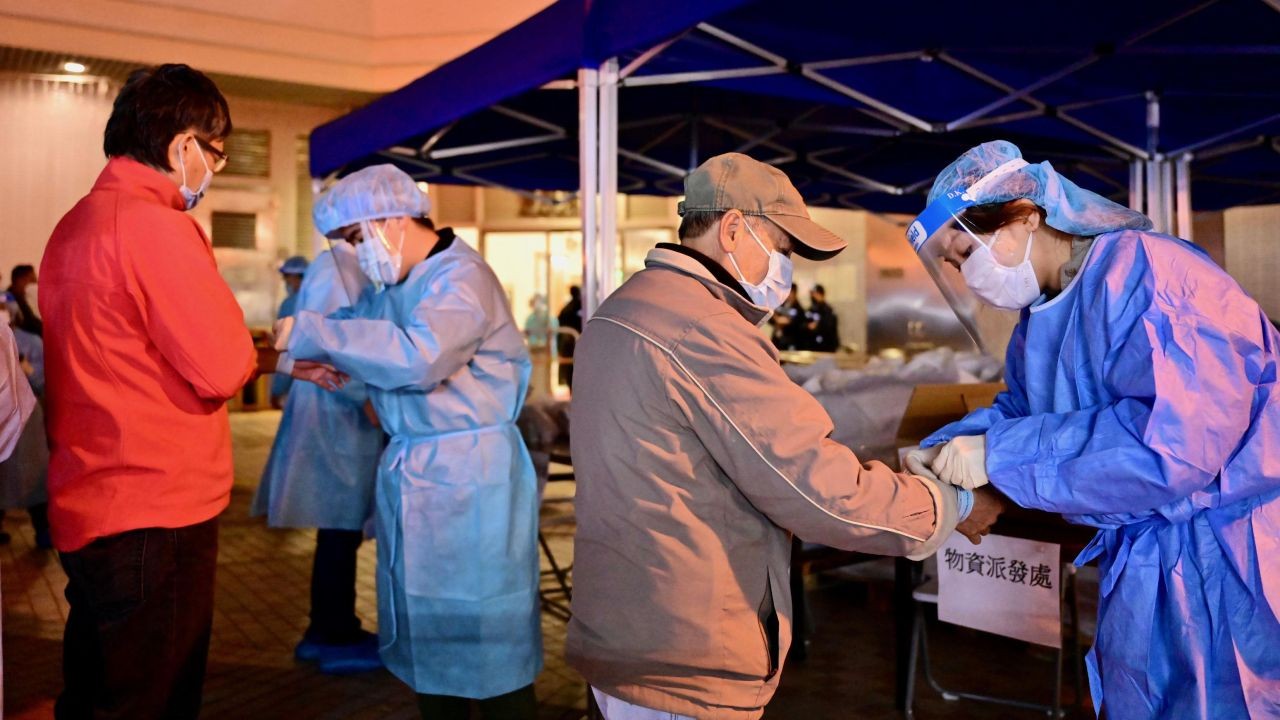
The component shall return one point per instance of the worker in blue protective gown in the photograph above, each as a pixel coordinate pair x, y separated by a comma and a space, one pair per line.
320, 474
292, 271
1142, 401
456, 503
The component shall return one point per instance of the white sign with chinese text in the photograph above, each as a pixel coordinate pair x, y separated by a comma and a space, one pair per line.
1007, 586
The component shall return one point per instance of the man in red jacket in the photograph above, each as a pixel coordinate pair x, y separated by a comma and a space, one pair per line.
144, 343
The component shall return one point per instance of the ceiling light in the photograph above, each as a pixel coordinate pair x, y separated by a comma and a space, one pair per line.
73, 67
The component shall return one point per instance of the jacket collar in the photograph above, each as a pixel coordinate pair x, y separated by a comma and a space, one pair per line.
126, 175
446, 238
711, 274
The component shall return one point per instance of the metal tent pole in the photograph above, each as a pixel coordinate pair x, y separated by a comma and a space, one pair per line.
1136, 192
1154, 184
1168, 198
607, 165
598, 175
588, 183
1183, 168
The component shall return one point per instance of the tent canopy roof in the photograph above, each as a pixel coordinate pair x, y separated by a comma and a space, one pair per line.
860, 103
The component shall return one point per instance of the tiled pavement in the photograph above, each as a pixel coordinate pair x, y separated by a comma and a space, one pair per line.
261, 610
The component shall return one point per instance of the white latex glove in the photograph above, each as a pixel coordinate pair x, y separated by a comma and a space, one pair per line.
963, 462
282, 330
918, 461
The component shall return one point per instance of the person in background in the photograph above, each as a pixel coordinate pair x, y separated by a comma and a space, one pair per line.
697, 457
30, 349
822, 324
788, 322
144, 344
23, 289
1142, 401
291, 271
17, 402
570, 318
539, 327
23, 476
447, 370
321, 470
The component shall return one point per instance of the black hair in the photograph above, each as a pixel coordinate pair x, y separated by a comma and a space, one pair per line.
991, 217
696, 223
20, 272
575, 292
820, 290
425, 222
157, 103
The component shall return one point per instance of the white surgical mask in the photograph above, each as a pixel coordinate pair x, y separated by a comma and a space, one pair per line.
771, 291
379, 261
1009, 288
189, 196
32, 296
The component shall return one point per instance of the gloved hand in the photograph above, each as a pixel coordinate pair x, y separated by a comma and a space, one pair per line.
326, 376
282, 329
963, 462
919, 459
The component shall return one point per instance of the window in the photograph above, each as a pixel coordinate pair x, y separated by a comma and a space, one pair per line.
235, 230
248, 153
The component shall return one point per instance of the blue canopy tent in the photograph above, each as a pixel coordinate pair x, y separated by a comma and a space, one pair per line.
860, 103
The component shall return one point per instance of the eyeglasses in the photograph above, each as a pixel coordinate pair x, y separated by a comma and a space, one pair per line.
219, 157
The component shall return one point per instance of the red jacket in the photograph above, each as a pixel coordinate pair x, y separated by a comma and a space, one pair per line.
144, 343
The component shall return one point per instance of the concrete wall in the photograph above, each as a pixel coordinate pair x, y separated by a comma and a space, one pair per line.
51, 152
369, 45
1252, 249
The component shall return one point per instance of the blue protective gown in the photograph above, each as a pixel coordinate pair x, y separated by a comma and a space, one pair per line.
1142, 401
457, 506
282, 384
325, 457
31, 347
24, 475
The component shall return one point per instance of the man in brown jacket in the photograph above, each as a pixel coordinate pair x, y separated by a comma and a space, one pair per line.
697, 457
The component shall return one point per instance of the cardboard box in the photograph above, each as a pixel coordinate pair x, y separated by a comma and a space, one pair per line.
932, 406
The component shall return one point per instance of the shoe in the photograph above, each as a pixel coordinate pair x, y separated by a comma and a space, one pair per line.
351, 659
310, 649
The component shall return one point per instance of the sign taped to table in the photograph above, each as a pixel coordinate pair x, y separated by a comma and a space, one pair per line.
1007, 586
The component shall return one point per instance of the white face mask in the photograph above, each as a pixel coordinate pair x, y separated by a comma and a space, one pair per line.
1009, 288
189, 196
379, 261
771, 291
32, 295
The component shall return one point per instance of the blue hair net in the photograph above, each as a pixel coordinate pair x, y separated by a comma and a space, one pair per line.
1069, 207
296, 265
373, 193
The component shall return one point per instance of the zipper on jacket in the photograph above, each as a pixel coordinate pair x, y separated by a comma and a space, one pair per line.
769, 627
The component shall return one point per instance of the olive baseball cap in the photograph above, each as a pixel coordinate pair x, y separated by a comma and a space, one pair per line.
733, 181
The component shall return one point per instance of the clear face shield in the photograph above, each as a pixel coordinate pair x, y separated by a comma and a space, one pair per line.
342, 248
943, 240
344, 256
